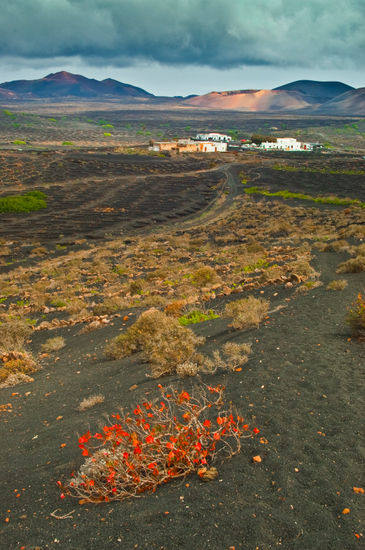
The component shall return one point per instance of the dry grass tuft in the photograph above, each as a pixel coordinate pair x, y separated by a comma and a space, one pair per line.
337, 284
356, 317
91, 401
309, 285
205, 276
13, 334
165, 344
16, 378
247, 312
353, 265
53, 344
303, 268
236, 354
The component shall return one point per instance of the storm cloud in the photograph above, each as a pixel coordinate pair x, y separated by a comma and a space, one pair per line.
212, 33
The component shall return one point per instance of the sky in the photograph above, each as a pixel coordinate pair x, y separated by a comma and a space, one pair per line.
181, 47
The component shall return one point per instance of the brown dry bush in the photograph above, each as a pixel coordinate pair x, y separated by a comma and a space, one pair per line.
110, 306
272, 273
13, 334
303, 268
356, 317
247, 312
16, 363
309, 285
205, 276
236, 354
175, 308
353, 265
354, 230
91, 401
165, 344
53, 344
337, 284
337, 246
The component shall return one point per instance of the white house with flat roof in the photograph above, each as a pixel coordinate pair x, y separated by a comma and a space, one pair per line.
286, 144
213, 136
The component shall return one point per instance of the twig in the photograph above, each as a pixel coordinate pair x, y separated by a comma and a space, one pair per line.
66, 516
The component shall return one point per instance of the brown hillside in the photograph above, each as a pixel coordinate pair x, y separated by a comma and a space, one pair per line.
251, 100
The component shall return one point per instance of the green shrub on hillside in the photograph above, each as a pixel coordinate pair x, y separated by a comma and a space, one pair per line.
33, 200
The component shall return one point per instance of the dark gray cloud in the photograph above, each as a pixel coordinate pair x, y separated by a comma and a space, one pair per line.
215, 33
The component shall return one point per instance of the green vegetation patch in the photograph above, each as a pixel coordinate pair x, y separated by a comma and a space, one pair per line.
288, 168
34, 200
289, 195
197, 316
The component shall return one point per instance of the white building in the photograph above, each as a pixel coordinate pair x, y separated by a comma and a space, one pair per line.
286, 144
213, 136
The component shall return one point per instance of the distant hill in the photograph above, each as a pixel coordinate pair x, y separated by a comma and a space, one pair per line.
315, 91
306, 96
251, 100
63, 84
349, 103
302, 96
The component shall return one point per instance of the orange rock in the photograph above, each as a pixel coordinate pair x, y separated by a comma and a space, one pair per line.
257, 458
346, 511
358, 490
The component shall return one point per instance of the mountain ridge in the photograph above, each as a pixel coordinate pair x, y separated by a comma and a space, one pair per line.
301, 96
64, 84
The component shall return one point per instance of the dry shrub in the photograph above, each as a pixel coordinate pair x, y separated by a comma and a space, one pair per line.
205, 276
253, 246
188, 368
247, 312
53, 344
321, 246
184, 434
231, 356
309, 285
356, 317
76, 306
303, 268
354, 230
337, 246
137, 286
236, 354
39, 251
14, 363
360, 250
154, 300
175, 308
280, 228
110, 306
91, 401
337, 284
13, 334
16, 378
165, 344
353, 265
272, 273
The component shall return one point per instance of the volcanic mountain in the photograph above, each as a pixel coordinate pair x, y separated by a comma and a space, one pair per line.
302, 95
251, 100
314, 91
63, 84
349, 103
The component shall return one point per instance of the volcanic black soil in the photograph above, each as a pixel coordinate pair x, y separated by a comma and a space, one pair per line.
302, 386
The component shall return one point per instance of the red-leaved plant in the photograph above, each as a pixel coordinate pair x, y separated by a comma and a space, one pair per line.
161, 440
